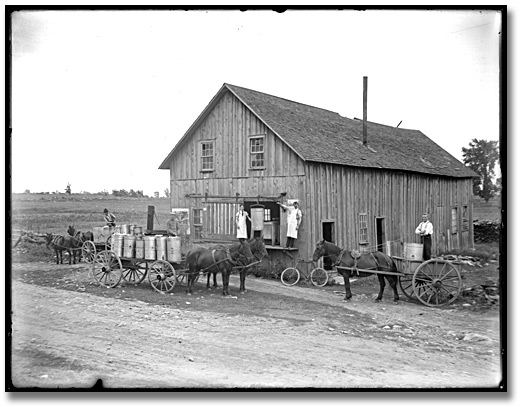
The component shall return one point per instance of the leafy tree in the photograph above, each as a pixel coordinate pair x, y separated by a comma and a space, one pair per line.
68, 189
167, 193
481, 157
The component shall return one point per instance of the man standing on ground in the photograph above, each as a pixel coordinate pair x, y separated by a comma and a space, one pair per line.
425, 230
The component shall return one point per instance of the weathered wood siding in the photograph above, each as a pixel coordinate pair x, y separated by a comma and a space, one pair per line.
340, 193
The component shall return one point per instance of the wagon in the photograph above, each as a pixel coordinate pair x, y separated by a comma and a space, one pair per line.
101, 241
434, 282
108, 269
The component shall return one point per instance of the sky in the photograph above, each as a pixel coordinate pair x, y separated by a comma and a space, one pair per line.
100, 98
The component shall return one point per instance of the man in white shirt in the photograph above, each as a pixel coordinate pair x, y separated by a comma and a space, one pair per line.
425, 230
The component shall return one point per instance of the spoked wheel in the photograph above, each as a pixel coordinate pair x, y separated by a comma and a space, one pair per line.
406, 284
88, 251
319, 277
106, 269
162, 276
108, 243
134, 274
437, 283
290, 276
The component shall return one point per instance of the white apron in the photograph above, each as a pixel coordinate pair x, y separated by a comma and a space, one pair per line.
293, 215
241, 222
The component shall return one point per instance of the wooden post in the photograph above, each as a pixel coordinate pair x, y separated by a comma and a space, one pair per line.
365, 109
150, 218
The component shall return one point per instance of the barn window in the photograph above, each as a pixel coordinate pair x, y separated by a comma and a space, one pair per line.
454, 219
465, 218
363, 228
197, 222
207, 156
257, 152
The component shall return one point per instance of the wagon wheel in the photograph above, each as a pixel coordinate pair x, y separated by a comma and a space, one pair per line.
108, 243
437, 283
290, 276
162, 276
319, 277
88, 251
406, 284
135, 274
106, 269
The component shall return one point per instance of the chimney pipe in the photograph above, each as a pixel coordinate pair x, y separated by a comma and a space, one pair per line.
365, 108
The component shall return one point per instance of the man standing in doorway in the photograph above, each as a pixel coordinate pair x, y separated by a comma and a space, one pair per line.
295, 217
425, 230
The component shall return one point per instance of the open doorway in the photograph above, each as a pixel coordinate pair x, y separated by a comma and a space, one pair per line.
379, 232
328, 230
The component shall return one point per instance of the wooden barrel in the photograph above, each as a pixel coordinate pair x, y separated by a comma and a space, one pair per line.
129, 245
174, 249
161, 247
257, 214
140, 248
150, 247
413, 251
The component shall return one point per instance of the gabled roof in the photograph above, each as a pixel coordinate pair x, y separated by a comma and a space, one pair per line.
323, 136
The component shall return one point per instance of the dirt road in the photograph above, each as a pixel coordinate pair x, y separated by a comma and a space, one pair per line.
68, 332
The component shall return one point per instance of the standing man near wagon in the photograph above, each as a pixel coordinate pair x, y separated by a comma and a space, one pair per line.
425, 230
294, 221
109, 217
241, 217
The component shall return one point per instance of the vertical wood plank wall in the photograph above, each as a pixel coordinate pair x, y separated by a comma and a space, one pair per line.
332, 192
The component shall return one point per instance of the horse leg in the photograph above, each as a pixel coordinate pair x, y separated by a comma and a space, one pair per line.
208, 280
225, 276
56, 252
215, 279
382, 284
242, 277
393, 284
346, 277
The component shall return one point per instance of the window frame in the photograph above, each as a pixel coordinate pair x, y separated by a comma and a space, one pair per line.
454, 220
203, 157
465, 218
363, 231
251, 153
197, 227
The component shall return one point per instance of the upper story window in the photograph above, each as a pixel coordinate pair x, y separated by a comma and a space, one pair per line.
207, 156
257, 152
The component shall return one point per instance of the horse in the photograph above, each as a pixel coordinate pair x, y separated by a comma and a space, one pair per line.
367, 261
222, 258
78, 238
258, 249
60, 243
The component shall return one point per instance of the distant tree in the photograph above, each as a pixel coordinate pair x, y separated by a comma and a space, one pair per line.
68, 189
167, 193
481, 157
27, 191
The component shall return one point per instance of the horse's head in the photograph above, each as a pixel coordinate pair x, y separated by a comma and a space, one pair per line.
48, 238
257, 246
71, 230
320, 250
245, 252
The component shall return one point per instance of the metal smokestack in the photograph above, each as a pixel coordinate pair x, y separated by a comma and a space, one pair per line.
365, 108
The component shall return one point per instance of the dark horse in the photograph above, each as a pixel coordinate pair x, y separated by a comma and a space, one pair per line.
78, 238
367, 261
222, 258
60, 243
258, 249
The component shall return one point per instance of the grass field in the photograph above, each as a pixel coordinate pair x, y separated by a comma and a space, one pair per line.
52, 213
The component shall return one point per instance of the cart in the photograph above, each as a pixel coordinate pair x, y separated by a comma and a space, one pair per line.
108, 269
434, 282
101, 242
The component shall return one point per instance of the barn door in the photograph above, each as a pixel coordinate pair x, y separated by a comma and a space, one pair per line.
380, 235
220, 223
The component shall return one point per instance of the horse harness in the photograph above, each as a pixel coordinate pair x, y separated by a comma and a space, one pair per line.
357, 254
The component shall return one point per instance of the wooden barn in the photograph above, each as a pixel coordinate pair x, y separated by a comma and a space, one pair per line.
254, 148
